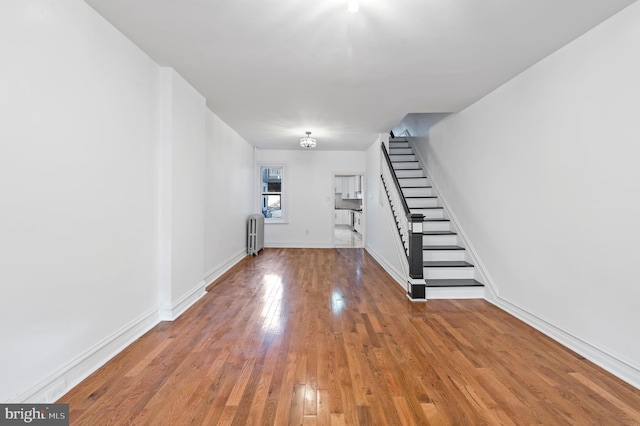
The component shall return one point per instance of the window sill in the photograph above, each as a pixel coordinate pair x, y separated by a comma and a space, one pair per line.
276, 222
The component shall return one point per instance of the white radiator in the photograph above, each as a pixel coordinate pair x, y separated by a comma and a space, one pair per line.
255, 234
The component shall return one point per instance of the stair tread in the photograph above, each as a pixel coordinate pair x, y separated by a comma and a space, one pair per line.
424, 196
436, 219
438, 233
425, 208
442, 248
447, 264
454, 283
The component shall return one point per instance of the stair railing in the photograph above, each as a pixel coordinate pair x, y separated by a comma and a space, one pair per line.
397, 201
410, 227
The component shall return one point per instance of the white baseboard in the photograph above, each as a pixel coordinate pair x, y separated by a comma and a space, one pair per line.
297, 245
416, 300
216, 272
173, 311
619, 368
64, 379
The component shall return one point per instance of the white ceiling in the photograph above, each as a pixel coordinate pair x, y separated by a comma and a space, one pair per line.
273, 69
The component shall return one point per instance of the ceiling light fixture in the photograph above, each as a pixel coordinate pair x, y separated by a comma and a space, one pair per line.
354, 6
308, 141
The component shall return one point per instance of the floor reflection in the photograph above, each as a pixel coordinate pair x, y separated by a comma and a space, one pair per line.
272, 309
337, 302
344, 237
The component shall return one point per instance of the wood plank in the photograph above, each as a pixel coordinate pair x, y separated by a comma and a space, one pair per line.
325, 336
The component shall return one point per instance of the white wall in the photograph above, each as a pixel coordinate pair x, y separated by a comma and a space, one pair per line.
182, 175
310, 191
418, 124
229, 190
79, 193
543, 175
102, 183
382, 236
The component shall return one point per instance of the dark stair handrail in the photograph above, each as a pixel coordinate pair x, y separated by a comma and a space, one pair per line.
405, 206
415, 221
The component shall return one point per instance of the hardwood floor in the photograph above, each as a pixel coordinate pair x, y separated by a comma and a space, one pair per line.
325, 336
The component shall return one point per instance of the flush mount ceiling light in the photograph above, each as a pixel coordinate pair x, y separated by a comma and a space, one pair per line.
308, 141
353, 6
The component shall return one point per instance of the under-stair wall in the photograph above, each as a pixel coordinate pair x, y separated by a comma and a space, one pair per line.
382, 236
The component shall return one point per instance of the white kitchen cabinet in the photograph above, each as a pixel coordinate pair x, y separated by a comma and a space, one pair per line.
342, 217
349, 188
345, 188
338, 184
357, 221
358, 186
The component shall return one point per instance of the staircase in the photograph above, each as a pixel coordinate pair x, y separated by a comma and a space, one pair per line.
445, 261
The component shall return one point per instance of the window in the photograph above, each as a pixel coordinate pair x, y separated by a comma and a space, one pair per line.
271, 193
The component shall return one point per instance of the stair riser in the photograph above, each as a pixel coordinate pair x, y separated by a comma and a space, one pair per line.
420, 203
413, 182
418, 192
448, 273
402, 158
407, 165
434, 293
425, 212
442, 255
410, 173
428, 214
432, 213
399, 145
397, 150
437, 226
439, 240
399, 139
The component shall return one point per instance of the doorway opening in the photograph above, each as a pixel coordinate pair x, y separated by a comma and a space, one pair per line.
349, 220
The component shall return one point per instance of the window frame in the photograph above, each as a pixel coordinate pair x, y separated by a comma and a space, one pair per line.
282, 192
